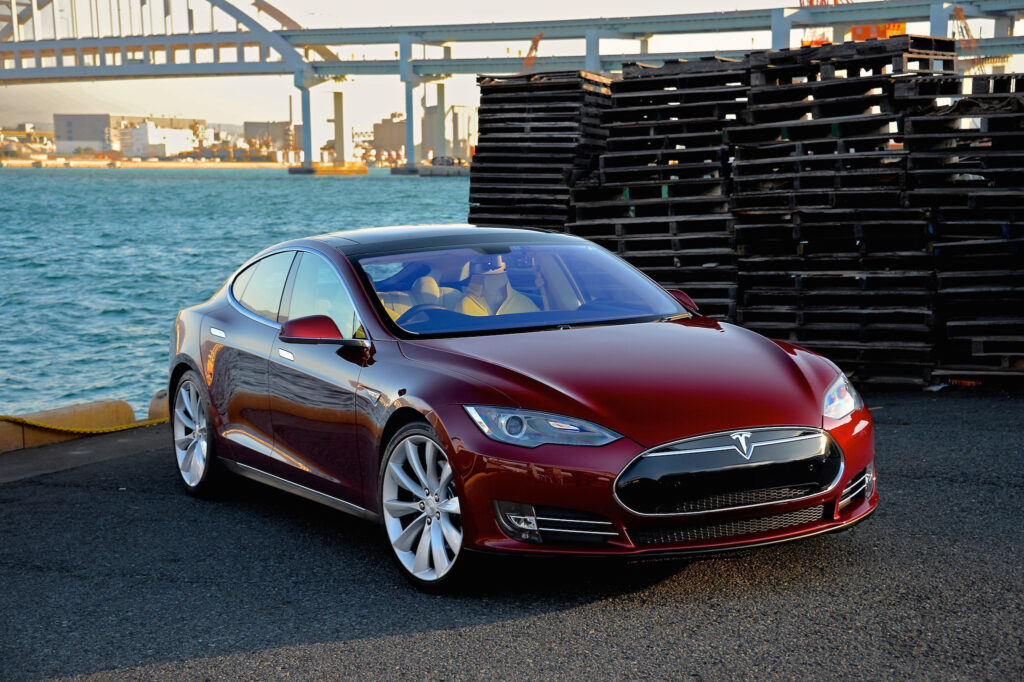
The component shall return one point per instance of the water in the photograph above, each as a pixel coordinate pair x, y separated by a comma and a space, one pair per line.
94, 265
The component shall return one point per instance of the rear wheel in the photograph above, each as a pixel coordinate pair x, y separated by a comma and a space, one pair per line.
420, 508
193, 442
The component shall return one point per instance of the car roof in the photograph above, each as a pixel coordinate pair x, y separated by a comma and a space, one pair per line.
371, 240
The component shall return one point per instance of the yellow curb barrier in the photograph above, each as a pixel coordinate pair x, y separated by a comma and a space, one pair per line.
65, 423
79, 431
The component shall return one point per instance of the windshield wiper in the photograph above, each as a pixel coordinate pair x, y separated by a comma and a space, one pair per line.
674, 317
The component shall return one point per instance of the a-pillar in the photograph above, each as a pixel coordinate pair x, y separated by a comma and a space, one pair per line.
412, 119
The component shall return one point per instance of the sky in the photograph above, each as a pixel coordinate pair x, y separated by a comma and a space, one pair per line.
367, 98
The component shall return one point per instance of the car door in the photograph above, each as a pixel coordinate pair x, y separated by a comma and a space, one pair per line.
313, 386
238, 339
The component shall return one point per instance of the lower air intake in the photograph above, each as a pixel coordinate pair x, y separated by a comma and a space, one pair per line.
712, 531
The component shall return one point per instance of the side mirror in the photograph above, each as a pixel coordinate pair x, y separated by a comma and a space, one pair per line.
685, 300
317, 329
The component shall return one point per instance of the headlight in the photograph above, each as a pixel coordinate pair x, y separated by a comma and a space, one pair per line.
841, 399
530, 429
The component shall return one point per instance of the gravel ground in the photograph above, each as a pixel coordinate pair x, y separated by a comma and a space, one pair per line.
110, 571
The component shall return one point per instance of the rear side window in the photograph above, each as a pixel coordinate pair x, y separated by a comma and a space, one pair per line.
262, 284
238, 287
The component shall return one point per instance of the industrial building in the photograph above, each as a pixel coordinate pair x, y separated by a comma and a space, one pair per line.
455, 135
159, 136
389, 134
278, 135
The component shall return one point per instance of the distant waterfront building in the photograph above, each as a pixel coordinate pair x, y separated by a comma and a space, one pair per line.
148, 140
461, 130
113, 133
389, 134
280, 134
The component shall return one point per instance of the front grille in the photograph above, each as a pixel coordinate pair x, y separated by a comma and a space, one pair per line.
741, 498
731, 470
725, 529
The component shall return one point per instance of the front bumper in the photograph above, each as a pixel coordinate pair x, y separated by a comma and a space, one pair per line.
581, 480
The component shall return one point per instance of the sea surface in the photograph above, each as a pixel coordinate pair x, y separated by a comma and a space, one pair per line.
95, 264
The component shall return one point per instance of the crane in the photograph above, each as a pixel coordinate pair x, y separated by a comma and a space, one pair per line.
531, 56
967, 43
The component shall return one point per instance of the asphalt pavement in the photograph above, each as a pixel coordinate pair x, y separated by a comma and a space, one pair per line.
109, 570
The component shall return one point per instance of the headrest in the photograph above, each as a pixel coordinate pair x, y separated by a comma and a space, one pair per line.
483, 265
426, 290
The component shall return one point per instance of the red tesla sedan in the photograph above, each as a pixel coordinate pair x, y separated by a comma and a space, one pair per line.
506, 390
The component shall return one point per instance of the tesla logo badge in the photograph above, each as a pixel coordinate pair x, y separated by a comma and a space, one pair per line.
741, 437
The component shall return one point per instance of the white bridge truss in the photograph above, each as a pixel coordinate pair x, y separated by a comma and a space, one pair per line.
48, 41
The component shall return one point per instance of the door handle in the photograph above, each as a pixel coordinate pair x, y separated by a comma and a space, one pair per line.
286, 354
217, 332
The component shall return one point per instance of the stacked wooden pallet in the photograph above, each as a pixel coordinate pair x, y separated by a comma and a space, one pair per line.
660, 196
830, 255
966, 167
539, 134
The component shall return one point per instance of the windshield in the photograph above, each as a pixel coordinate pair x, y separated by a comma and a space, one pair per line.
477, 290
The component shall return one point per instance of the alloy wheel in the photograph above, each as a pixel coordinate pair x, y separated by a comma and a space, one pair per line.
421, 508
191, 436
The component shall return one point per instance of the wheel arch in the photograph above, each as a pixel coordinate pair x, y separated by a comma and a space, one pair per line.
401, 417
181, 366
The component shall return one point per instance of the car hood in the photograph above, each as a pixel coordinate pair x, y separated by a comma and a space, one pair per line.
652, 382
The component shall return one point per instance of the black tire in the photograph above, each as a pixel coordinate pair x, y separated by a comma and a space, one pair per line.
459, 566
181, 413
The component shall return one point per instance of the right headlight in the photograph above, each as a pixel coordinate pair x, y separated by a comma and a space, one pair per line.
841, 399
529, 429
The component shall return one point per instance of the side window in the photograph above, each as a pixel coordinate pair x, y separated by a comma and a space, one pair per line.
262, 293
318, 291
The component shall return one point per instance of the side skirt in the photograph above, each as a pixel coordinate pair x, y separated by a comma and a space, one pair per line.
300, 490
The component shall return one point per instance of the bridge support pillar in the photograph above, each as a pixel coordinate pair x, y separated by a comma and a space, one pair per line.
411, 80
307, 130
593, 58
440, 135
1004, 27
413, 119
339, 128
782, 26
938, 24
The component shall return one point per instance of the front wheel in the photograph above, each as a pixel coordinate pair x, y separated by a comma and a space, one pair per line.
420, 507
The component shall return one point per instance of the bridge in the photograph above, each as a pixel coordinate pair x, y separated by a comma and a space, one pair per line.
50, 41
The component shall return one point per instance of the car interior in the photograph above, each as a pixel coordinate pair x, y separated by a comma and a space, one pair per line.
478, 284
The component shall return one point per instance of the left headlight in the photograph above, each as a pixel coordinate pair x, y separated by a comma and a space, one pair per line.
530, 429
841, 399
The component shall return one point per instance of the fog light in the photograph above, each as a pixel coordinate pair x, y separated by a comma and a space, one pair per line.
869, 480
517, 520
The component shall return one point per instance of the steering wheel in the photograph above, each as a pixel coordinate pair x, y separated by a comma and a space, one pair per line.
418, 308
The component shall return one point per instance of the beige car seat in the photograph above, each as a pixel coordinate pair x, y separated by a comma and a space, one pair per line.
490, 293
395, 302
426, 290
